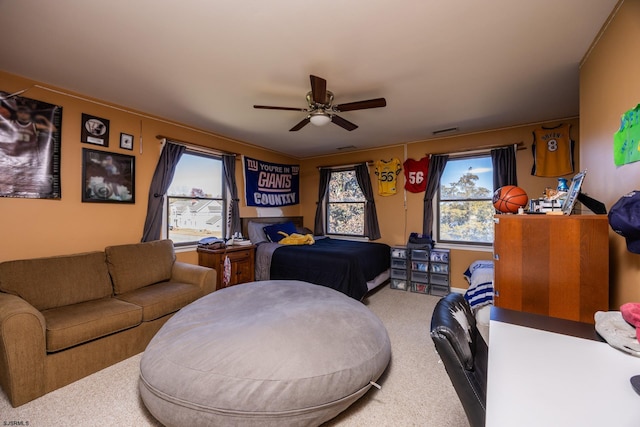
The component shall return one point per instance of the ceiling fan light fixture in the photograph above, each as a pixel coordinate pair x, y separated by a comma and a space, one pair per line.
321, 109
319, 118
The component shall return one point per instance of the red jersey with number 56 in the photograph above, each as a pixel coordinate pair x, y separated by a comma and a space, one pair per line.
415, 174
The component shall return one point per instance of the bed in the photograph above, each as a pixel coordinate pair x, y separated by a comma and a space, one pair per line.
353, 268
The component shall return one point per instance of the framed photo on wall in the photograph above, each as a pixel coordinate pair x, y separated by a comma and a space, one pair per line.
126, 141
95, 130
107, 177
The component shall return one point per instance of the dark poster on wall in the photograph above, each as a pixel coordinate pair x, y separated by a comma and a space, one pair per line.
29, 148
271, 184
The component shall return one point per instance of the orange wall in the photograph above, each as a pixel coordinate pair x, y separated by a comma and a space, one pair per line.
33, 228
399, 216
609, 86
54, 227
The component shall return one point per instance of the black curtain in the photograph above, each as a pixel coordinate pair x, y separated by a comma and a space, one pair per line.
160, 182
233, 221
436, 167
504, 166
318, 226
371, 228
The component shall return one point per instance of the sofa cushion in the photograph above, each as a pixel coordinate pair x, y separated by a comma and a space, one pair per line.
162, 298
57, 281
140, 264
78, 323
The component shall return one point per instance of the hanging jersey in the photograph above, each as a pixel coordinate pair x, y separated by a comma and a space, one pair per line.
552, 151
415, 174
387, 173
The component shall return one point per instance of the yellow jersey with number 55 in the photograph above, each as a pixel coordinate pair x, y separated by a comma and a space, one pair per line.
387, 173
552, 151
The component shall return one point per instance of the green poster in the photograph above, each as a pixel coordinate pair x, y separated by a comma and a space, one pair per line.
625, 140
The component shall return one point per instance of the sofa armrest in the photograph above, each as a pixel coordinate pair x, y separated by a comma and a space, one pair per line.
204, 277
22, 349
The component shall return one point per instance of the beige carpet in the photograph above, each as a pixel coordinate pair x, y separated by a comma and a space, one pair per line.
416, 390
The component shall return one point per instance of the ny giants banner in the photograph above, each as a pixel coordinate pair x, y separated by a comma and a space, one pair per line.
271, 184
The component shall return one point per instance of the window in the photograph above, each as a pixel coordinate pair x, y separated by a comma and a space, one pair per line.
345, 204
465, 201
196, 202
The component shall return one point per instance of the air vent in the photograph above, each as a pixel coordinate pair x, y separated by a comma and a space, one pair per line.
441, 131
348, 147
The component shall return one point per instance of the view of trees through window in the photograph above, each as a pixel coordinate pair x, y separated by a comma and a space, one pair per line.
345, 204
195, 202
465, 201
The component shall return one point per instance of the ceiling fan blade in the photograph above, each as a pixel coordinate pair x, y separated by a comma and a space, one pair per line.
318, 89
361, 105
300, 125
343, 123
268, 107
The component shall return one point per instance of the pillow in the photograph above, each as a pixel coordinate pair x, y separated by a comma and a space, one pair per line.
272, 231
256, 232
303, 231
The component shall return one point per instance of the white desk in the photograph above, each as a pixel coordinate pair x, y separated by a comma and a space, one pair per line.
540, 378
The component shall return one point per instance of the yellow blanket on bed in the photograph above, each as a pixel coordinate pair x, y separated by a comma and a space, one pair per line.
296, 239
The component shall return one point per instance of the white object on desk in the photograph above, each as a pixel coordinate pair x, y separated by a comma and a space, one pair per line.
539, 378
239, 242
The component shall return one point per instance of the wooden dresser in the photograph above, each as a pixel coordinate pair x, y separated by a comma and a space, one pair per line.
242, 263
552, 265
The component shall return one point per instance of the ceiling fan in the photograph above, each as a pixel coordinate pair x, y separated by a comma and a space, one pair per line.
321, 109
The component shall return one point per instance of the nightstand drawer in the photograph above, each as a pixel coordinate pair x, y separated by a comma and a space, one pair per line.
242, 259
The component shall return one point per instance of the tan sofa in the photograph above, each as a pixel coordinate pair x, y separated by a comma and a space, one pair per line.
63, 318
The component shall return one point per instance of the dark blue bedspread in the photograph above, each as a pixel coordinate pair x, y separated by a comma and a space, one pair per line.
343, 265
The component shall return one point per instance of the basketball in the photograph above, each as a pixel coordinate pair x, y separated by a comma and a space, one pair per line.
509, 198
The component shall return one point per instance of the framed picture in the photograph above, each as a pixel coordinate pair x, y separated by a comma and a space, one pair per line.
126, 141
95, 130
573, 193
108, 177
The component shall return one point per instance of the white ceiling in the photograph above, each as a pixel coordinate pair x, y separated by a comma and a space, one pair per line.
475, 65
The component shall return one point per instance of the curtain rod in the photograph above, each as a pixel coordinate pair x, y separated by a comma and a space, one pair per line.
198, 147
520, 146
368, 162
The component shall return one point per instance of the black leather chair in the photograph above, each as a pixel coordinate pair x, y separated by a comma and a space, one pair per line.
463, 352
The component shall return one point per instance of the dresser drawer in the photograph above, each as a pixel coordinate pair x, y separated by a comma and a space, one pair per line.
399, 284
397, 273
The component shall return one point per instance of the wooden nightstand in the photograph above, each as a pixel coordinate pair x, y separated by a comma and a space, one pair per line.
242, 263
